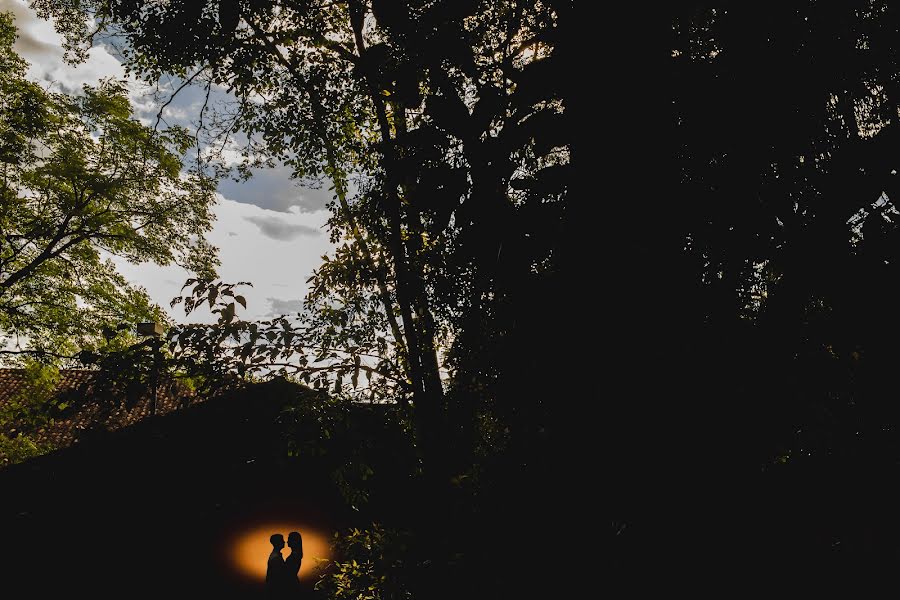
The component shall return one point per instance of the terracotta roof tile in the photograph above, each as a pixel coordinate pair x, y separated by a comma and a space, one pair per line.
86, 411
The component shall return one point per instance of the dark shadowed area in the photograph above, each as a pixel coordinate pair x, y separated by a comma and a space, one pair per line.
163, 508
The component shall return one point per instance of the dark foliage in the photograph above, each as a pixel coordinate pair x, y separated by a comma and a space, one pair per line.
786, 163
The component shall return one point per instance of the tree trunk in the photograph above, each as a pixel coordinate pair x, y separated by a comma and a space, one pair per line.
428, 395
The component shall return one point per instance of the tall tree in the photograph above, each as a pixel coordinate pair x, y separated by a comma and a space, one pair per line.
81, 181
448, 115
786, 134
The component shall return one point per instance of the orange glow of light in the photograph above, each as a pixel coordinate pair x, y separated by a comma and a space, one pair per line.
250, 548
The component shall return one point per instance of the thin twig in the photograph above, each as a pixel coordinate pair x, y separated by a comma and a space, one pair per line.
186, 83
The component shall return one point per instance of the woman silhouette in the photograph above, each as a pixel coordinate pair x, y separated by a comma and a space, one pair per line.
292, 562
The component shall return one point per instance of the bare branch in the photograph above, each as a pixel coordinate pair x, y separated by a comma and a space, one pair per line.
186, 83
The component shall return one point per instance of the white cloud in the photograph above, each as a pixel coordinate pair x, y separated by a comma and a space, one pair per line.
278, 269
275, 190
41, 46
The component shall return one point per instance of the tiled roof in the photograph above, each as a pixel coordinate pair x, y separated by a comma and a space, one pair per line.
85, 410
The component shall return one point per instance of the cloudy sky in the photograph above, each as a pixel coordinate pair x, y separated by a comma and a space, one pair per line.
269, 230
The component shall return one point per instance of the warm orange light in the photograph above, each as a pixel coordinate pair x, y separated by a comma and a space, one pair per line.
250, 548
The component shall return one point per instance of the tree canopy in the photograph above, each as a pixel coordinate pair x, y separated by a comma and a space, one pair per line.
786, 160
82, 181
449, 120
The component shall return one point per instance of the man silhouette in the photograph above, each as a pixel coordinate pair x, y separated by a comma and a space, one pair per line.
276, 575
292, 562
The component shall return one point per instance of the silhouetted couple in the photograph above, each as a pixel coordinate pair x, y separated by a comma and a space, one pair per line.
281, 573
